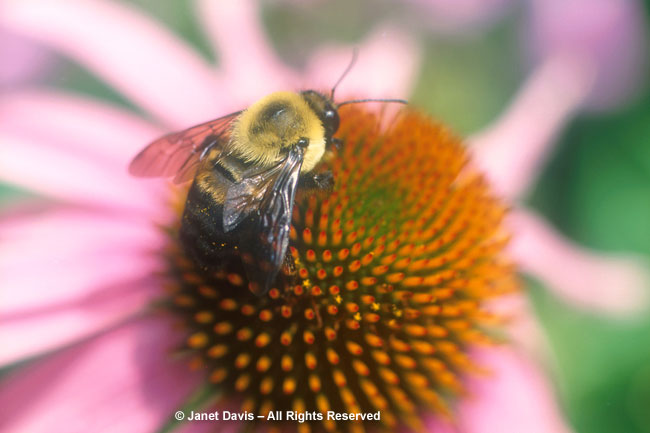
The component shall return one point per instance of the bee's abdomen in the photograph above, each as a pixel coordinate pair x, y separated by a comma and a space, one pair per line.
201, 231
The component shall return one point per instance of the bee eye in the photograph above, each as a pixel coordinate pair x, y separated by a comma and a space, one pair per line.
332, 119
303, 142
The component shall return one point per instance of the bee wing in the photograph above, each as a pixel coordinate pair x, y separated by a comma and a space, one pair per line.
267, 196
178, 153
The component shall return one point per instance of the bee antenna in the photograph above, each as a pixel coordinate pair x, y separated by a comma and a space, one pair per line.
355, 53
356, 101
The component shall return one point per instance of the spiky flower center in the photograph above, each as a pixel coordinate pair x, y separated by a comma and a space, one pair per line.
392, 269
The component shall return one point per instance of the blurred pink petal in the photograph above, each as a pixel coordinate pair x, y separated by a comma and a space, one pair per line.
70, 176
607, 283
513, 150
128, 49
608, 33
387, 64
97, 386
514, 398
22, 60
39, 330
524, 331
512, 153
75, 253
246, 60
68, 275
388, 59
76, 124
451, 16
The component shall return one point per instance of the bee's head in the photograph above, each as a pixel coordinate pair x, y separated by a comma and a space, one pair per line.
326, 111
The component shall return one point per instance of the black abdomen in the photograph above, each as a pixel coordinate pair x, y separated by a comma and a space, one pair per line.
202, 233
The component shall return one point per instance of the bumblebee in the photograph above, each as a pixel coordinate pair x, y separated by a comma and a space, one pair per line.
246, 168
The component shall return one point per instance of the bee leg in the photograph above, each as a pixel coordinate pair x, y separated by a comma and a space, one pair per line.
289, 266
324, 180
321, 181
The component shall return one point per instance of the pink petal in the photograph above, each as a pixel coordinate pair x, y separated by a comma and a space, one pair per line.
126, 48
247, 62
123, 381
524, 332
74, 253
608, 283
33, 333
68, 274
386, 67
513, 150
71, 176
76, 124
612, 35
22, 60
515, 398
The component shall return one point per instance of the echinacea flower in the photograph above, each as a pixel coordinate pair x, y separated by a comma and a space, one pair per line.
82, 273
392, 269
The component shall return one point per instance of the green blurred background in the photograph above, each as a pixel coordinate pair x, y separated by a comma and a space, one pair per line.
595, 189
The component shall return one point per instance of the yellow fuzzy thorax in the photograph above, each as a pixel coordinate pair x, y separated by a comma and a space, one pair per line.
259, 140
